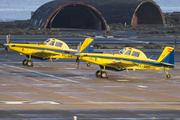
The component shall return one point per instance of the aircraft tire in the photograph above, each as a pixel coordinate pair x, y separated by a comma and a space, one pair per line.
168, 76
104, 74
97, 73
29, 63
88, 64
24, 62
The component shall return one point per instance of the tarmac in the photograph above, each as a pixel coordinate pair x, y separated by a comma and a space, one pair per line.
60, 91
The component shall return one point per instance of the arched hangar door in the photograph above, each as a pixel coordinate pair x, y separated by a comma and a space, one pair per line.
77, 16
148, 13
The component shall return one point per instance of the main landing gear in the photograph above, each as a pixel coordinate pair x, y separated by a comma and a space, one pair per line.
102, 74
88, 64
27, 62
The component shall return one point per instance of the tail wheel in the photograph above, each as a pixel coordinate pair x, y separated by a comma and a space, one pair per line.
29, 63
24, 62
104, 74
168, 76
98, 73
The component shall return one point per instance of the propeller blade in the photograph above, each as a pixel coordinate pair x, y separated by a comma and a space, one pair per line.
77, 60
6, 49
7, 39
7, 44
79, 47
78, 55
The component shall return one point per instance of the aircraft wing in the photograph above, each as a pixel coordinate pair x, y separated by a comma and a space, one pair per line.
44, 54
52, 54
122, 64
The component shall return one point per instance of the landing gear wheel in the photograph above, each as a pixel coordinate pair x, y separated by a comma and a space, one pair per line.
24, 62
98, 73
168, 76
104, 74
88, 64
29, 63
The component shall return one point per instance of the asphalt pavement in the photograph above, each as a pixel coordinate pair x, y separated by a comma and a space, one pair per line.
59, 91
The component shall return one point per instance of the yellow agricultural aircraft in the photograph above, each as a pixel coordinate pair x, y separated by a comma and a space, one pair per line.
130, 59
49, 49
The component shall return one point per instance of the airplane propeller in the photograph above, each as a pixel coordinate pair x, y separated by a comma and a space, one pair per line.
77, 60
6, 45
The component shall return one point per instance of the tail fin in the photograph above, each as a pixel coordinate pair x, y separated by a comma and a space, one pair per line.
167, 56
87, 46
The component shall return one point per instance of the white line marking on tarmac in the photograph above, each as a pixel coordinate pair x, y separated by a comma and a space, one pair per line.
142, 86
25, 77
5, 60
44, 102
28, 102
13, 103
122, 80
112, 86
70, 68
81, 77
6, 84
45, 74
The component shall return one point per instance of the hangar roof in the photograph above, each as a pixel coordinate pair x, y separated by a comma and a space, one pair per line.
114, 11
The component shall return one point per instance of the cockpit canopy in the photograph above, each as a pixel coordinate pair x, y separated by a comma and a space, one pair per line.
132, 52
56, 43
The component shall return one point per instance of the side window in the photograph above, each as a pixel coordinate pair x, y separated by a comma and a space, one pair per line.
136, 54
51, 43
128, 52
58, 44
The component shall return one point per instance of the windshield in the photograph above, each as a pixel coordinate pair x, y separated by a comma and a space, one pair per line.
46, 42
122, 51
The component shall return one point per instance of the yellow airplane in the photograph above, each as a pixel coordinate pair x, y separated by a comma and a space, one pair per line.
49, 49
130, 59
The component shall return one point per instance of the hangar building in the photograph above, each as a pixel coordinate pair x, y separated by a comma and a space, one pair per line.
96, 14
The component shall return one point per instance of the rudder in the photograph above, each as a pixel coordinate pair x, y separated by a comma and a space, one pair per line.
167, 56
87, 46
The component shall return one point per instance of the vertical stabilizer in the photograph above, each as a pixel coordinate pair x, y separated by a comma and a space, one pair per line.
167, 56
87, 46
